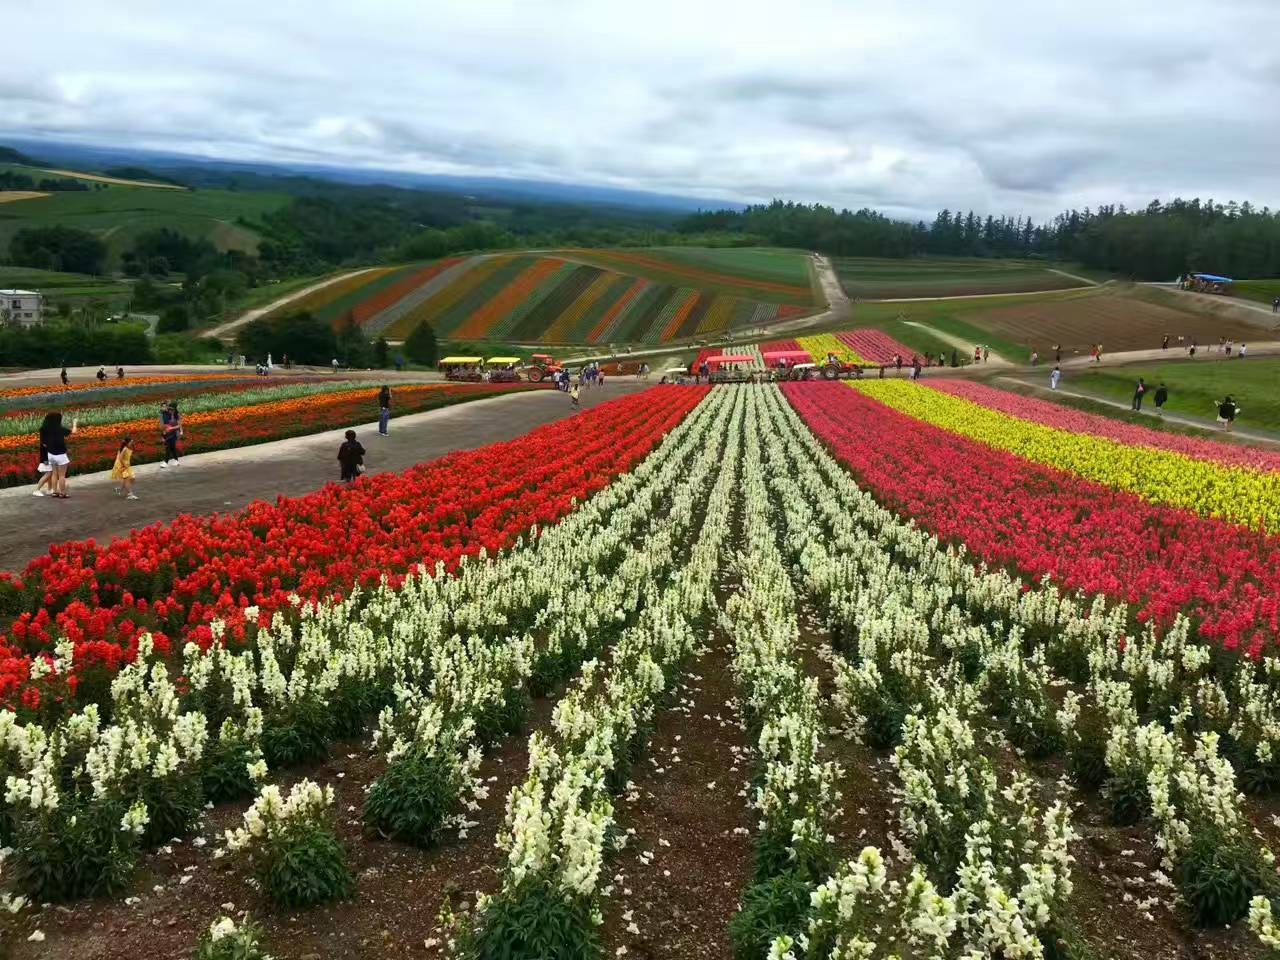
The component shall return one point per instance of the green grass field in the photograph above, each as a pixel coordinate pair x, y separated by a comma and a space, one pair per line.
751, 263
1263, 291
1195, 386
119, 214
763, 274
57, 287
868, 278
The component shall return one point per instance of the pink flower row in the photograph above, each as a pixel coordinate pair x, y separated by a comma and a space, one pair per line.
1077, 421
875, 346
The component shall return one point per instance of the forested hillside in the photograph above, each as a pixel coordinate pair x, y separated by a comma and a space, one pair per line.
1155, 243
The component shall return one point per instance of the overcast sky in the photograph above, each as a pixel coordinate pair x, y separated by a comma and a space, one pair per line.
999, 106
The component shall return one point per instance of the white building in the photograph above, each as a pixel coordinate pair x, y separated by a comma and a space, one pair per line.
24, 307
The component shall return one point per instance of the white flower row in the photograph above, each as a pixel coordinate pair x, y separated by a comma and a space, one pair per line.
558, 817
910, 599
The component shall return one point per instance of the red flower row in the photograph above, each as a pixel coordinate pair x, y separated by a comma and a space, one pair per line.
1035, 520
172, 579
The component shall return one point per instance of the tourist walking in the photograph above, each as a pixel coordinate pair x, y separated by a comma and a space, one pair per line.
986, 353
45, 470
170, 432
63, 377
1057, 353
351, 457
1164, 343
101, 374
573, 395
1162, 396
53, 437
384, 410
1275, 305
1055, 378
1138, 392
1227, 410
119, 373
1243, 348
977, 354
122, 469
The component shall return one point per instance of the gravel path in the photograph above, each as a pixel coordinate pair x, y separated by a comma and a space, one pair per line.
227, 480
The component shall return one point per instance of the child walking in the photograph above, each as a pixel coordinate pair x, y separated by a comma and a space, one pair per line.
574, 394
122, 470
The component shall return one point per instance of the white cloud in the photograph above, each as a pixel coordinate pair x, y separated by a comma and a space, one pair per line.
999, 106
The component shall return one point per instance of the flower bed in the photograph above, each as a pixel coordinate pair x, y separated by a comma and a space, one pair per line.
1040, 521
1210, 489
94, 448
1077, 421
173, 579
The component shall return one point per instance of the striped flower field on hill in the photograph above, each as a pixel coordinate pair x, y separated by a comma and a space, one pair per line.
574, 297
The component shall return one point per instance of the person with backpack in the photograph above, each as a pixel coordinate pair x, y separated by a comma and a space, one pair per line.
1227, 411
384, 410
1138, 393
1162, 397
351, 457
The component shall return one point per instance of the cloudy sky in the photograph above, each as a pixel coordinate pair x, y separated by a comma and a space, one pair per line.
999, 106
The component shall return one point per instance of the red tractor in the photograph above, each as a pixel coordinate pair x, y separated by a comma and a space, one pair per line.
540, 367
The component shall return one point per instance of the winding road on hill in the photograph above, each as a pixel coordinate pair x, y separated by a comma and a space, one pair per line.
248, 316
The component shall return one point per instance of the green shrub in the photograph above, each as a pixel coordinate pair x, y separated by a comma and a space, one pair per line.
291, 845
1218, 876
770, 908
536, 919
414, 797
77, 850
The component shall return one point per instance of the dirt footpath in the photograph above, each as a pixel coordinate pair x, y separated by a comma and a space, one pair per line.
227, 480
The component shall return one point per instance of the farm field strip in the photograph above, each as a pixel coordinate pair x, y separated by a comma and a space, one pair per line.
313, 671
551, 298
914, 618
894, 279
52, 391
826, 344
246, 393
1209, 489
172, 580
322, 302
1050, 414
559, 819
119, 392
94, 447
396, 319
663, 268
875, 346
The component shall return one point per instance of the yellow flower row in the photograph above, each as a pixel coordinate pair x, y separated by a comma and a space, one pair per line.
1238, 494
825, 343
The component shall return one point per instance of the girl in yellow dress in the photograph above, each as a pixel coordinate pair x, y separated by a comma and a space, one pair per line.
122, 471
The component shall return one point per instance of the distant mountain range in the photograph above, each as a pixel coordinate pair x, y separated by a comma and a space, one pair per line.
190, 169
